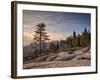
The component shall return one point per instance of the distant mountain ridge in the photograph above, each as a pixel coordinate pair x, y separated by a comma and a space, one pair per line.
28, 50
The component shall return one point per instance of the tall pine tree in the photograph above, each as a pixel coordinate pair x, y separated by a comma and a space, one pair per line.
41, 37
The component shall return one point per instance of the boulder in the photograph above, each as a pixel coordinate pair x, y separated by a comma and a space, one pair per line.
81, 51
62, 54
86, 56
27, 58
64, 58
51, 58
40, 59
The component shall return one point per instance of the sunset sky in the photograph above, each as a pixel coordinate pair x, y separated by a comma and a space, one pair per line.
59, 25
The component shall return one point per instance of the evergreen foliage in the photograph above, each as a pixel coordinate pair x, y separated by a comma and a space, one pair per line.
40, 38
72, 43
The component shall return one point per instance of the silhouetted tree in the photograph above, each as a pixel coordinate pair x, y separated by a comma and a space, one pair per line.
74, 39
74, 34
78, 40
85, 38
41, 36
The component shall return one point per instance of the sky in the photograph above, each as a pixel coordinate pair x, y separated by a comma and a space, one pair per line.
59, 25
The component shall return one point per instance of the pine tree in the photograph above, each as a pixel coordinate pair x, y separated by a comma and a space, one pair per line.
74, 34
74, 39
85, 30
78, 40
41, 37
85, 38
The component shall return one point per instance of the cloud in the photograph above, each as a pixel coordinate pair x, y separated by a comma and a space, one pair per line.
56, 21
59, 25
28, 37
55, 36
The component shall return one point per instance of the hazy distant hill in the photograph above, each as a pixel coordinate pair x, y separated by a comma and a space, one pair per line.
27, 50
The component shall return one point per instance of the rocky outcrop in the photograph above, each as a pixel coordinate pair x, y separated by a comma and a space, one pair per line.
51, 58
64, 58
42, 58
81, 54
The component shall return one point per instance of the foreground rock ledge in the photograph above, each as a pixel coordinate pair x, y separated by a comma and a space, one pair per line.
55, 64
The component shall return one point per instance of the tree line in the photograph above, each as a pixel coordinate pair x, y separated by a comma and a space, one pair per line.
73, 42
